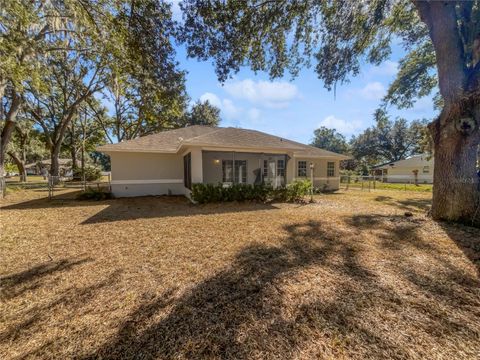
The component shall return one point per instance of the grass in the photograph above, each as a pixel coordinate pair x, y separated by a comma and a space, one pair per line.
388, 186
30, 178
349, 276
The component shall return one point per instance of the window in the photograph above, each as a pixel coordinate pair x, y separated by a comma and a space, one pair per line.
426, 169
330, 169
227, 171
302, 168
265, 168
280, 167
241, 171
187, 171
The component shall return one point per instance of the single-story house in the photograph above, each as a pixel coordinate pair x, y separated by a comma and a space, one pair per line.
415, 169
170, 162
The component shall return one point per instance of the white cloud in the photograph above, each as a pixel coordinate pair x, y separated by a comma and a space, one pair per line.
273, 94
231, 111
226, 106
212, 99
373, 91
387, 68
346, 128
254, 114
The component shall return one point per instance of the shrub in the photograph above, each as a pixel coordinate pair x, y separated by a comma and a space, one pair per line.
293, 192
210, 193
94, 194
91, 173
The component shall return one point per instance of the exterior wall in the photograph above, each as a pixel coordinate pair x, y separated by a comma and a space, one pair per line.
402, 171
405, 174
212, 164
140, 174
320, 178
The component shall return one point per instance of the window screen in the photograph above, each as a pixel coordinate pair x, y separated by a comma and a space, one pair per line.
302, 168
330, 169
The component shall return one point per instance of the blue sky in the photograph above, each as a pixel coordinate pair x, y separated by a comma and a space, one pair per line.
294, 109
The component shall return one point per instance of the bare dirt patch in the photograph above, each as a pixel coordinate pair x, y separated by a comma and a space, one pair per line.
347, 277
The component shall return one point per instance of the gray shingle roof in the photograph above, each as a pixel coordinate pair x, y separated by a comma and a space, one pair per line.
171, 141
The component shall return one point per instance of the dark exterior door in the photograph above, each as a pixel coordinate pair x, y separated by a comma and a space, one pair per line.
187, 171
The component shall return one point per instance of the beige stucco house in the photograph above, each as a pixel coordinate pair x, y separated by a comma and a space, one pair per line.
170, 162
417, 168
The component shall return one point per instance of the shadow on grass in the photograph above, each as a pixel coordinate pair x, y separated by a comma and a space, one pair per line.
246, 311
71, 298
467, 239
166, 206
412, 204
63, 198
139, 207
16, 284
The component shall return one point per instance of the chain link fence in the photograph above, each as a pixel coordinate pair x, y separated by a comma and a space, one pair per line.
56, 187
370, 183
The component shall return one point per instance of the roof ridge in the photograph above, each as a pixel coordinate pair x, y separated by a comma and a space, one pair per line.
215, 129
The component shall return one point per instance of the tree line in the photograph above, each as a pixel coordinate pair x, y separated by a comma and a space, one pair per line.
77, 73
386, 141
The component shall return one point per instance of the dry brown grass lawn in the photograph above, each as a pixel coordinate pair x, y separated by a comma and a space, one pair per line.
347, 277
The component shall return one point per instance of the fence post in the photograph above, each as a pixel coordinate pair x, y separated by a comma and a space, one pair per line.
49, 185
3, 187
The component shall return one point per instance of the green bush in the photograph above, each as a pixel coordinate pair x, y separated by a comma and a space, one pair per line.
293, 192
91, 173
94, 194
210, 193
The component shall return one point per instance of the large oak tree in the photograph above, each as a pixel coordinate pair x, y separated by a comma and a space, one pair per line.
280, 35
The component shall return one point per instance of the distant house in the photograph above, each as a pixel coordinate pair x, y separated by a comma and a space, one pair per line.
417, 168
169, 162
43, 167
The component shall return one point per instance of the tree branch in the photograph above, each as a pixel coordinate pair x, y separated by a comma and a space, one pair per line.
441, 20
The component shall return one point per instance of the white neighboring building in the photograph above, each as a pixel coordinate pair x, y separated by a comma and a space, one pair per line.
405, 171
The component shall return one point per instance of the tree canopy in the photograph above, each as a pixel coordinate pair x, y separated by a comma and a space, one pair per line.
203, 113
330, 139
389, 140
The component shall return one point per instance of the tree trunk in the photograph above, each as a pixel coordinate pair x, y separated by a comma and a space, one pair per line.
20, 165
8, 127
54, 166
456, 183
73, 154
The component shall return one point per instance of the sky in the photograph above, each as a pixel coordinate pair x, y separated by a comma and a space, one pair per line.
295, 108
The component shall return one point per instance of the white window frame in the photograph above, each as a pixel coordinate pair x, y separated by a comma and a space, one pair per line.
302, 168
330, 169
281, 169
